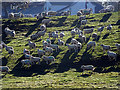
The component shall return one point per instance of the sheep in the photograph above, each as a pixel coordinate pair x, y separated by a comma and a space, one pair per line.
79, 13
41, 33
62, 34
87, 31
91, 44
54, 47
78, 31
87, 67
118, 46
9, 32
35, 59
11, 15
82, 38
84, 22
74, 41
34, 36
73, 32
100, 29
27, 56
39, 16
31, 44
66, 13
112, 55
105, 47
4, 69
109, 27
45, 43
48, 41
41, 52
11, 51
46, 21
73, 46
25, 51
82, 18
79, 45
94, 35
60, 42
48, 49
55, 35
26, 62
43, 27
48, 59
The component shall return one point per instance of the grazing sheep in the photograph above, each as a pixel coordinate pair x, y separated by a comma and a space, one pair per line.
73, 32
87, 31
54, 47
41, 52
100, 29
48, 59
73, 46
82, 38
35, 59
112, 55
74, 41
31, 44
118, 46
39, 16
45, 43
25, 51
94, 35
105, 47
48, 49
9, 32
79, 13
27, 56
41, 33
9, 49
43, 27
60, 42
84, 22
78, 31
4, 69
87, 67
48, 41
34, 36
109, 27
79, 45
46, 21
26, 62
91, 44
62, 34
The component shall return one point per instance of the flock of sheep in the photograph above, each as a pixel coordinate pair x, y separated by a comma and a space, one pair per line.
48, 47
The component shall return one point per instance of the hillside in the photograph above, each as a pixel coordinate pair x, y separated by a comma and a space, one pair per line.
65, 70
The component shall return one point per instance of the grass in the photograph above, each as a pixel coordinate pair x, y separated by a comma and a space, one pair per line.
65, 71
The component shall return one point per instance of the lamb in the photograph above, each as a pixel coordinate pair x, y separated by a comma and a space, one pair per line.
35, 59
109, 27
73, 46
106, 47
82, 38
62, 34
26, 62
87, 67
31, 44
54, 47
48, 49
43, 27
25, 51
112, 55
87, 31
91, 44
100, 29
118, 46
48, 59
46, 21
9, 32
41, 52
4, 69
60, 42
94, 35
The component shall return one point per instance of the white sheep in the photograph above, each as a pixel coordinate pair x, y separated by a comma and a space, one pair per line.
48, 49
91, 44
82, 38
25, 51
45, 43
31, 44
84, 22
118, 46
4, 69
106, 47
56, 47
41, 52
73, 32
46, 21
62, 34
79, 45
74, 41
109, 27
94, 35
48, 59
11, 15
79, 13
100, 29
26, 62
60, 42
34, 36
41, 33
9, 32
27, 56
73, 46
87, 31
87, 67
112, 55
35, 59
43, 27
9, 49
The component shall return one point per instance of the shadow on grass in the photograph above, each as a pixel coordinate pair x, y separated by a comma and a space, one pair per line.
75, 23
61, 20
4, 61
68, 40
106, 17
105, 36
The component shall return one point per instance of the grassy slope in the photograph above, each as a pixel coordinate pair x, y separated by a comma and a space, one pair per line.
65, 71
